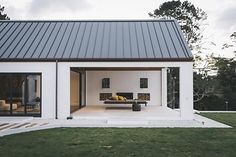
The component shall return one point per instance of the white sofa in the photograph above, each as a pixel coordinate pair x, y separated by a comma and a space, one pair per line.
5, 106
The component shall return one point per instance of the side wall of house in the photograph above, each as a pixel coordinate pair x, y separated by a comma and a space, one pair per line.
123, 81
48, 71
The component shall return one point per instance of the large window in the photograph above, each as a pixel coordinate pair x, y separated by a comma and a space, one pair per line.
20, 94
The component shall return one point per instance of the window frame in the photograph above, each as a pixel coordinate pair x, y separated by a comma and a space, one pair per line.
26, 74
106, 83
143, 82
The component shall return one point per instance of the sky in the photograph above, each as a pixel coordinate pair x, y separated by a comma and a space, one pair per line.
221, 22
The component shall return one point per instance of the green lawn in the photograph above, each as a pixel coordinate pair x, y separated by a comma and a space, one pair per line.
227, 118
96, 142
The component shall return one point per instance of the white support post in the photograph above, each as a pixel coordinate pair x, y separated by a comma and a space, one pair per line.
164, 87
63, 91
186, 91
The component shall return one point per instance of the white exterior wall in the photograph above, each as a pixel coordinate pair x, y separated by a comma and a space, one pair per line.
123, 81
48, 81
164, 86
48, 71
63, 90
186, 91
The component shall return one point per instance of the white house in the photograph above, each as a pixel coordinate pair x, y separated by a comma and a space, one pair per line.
51, 68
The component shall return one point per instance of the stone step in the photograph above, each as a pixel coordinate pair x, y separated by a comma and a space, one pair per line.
89, 120
15, 119
127, 122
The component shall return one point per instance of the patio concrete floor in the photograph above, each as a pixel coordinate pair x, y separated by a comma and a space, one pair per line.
124, 112
105, 116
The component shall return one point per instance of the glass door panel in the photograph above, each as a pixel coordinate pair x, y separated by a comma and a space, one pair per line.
20, 94
82, 89
33, 98
5, 94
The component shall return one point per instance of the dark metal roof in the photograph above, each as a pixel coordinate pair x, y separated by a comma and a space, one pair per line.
123, 40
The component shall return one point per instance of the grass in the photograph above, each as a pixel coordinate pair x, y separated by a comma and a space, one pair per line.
227, 118
114, 142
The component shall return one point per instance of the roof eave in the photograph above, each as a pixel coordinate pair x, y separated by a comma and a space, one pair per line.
97, 60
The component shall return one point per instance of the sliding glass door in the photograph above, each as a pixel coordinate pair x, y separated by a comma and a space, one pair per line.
82, 89
20, 94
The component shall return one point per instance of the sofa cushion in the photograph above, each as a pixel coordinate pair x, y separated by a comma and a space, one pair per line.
2, 102
121, 98
5, 106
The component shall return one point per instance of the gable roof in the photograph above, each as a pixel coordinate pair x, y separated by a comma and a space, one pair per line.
107, 40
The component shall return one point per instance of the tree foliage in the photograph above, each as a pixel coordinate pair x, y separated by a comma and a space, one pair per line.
191, 19
227, 78
232, 43
2, 15
224, 87
187, 15
227, 74
204, 85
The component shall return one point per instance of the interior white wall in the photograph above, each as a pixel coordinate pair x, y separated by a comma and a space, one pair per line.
123, 81
48, 81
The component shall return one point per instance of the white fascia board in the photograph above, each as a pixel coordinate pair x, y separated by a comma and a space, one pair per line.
126, 64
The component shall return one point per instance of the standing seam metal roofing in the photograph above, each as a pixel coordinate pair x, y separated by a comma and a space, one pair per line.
121, 40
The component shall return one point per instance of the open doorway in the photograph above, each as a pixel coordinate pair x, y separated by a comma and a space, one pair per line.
77, 89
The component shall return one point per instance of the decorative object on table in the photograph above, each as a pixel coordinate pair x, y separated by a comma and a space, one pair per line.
136, 106
117, 97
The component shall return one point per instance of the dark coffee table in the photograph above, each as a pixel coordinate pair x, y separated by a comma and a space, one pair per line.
136, 104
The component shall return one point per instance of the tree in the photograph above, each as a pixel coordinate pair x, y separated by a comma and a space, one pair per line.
2, 15
189, 17
227, 78
204, 85
232, 43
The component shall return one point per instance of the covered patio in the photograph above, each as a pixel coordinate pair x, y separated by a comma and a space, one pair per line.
124, 113
93, 107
